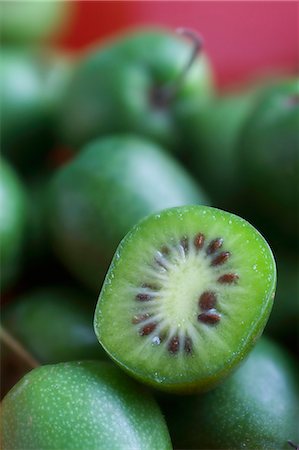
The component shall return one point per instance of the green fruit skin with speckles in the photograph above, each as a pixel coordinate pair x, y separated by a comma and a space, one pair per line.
81, 405
256, 408
31, 83
115, 90
269, 162
94, 201
13, 223
26, 22
54, 324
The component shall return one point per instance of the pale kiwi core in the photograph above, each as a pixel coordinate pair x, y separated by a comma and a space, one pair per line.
187, 294
184, 280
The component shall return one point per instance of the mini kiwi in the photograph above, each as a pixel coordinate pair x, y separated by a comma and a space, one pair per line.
256, 408
46, 325
54, 323
188, 292
90, 405
149, 82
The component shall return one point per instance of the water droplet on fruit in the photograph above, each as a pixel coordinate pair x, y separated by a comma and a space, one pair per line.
156, 340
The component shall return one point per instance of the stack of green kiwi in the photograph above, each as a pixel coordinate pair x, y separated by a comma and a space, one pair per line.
138, 276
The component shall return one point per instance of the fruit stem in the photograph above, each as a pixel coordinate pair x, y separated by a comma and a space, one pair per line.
16, 347
197, 43
293, 445
162, 96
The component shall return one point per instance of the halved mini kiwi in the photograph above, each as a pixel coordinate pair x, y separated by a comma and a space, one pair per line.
187, 294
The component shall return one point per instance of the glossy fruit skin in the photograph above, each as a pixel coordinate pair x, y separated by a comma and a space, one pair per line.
81, 405
13, 223
95, 200
26, 22
54, 324
213, 157
256, 408
116, 90
31, 82
269, 161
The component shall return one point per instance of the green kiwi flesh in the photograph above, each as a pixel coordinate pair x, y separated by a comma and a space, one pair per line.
188, 292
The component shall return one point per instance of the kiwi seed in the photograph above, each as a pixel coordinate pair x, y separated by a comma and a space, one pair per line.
162, 263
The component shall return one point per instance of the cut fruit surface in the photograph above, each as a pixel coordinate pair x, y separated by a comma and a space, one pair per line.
188, 292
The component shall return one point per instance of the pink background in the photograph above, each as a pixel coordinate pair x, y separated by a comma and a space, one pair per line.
242, 38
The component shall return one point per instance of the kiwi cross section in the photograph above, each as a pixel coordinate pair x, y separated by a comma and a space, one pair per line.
157, 299
187, 295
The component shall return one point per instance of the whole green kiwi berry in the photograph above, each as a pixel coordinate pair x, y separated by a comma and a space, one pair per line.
81, 405
54, 324
188, 293
95, 199
269, 163
256, 408
149, 82
13, 223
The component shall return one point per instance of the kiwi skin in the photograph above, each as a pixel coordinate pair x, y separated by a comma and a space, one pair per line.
94, 200
79, 405
54, 323
256, 408
179, 379
46, 325
213, 156
13, 224
269, 161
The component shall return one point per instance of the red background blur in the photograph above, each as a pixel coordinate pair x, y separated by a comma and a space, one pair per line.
243, 38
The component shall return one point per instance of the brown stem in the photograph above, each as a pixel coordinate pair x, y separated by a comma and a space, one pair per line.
162, 96
197, 43
17, 348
